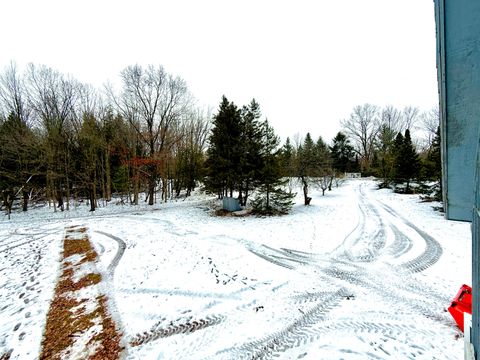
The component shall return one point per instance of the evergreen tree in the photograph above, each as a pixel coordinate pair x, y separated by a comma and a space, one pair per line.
342, 153
433, 165
323, 156
397, 154
272, 197
251, 145
307, 165
385, 153
408, 162
224, 152
434, 156
287, 158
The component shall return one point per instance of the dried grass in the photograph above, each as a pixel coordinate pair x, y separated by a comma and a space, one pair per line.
67, 319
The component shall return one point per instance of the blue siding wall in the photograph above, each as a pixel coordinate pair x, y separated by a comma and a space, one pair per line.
458, 63
476, 260
458, 43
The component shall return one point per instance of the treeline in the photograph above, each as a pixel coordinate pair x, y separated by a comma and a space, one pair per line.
383, 145
62, 139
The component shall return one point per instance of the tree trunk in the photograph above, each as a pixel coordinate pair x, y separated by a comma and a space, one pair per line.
152, 168
92, 196
246, 193
25, 200
67, 181
60, 199
151, 191
108, 177
305, 192
51, 193
240, 195
8, 202
136, 186
164, 189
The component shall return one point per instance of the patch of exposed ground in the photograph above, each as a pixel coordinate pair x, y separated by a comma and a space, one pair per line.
78, 323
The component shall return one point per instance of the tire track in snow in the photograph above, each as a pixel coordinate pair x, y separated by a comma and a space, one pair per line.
433, 250
402, 293
428, 306
366, 241
118, 256
110, 272
273, 260
190, 326
401, 245
301, 331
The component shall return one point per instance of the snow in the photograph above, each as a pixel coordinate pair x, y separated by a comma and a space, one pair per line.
361, 273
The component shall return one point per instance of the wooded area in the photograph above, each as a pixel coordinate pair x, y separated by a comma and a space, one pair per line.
64, 142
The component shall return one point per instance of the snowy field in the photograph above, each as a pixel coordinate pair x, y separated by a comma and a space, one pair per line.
360, 274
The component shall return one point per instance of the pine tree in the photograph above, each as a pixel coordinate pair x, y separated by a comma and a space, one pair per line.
272, 197
434, 157
385, 153
408, 162
323, 157
397, 158
307, 165
251, 144
342, 153
287, 158
224, 152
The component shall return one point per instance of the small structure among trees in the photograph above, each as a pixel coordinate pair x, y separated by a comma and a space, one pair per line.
244, 156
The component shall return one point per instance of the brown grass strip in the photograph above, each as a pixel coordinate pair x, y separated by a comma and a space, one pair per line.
67, 319
109, 339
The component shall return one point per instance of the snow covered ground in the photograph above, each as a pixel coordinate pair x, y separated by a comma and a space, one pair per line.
360, 274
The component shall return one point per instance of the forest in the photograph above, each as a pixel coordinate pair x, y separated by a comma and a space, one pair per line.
64, 142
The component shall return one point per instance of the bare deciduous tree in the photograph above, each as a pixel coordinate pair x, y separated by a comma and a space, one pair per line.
189, 150
430, 121
362, 127
13, 99
409, 118
152, 100
391, 118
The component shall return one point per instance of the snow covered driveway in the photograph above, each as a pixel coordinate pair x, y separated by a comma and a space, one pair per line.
360, 274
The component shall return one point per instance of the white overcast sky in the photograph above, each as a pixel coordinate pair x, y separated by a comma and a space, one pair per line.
306, 62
